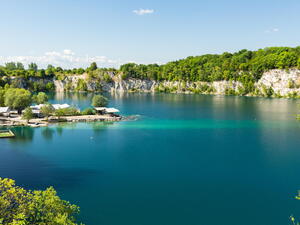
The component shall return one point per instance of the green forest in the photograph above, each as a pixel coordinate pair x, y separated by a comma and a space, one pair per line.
239, 66
244, 66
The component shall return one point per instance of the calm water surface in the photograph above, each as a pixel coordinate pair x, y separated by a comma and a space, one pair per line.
186, 160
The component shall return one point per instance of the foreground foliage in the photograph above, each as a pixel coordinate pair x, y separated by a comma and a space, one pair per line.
21, 207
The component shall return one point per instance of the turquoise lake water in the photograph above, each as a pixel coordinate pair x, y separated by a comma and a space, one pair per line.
184, 160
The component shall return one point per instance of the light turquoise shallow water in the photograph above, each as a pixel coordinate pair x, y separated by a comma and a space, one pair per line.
186, 159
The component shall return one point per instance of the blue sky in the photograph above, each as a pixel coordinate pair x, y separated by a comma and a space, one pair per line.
73, 33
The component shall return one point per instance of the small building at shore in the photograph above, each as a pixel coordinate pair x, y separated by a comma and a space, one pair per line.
61, 106
4, 111
55, 106
36, 109
105, 110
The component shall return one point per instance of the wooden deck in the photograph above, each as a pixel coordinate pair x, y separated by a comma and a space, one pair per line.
6, 134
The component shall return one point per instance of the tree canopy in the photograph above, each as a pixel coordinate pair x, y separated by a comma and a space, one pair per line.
47, 110
27, 114
17, 98
33, 66
2, 92
21, 207
245, 66
99, 101
40, 98
93, 66
213, 67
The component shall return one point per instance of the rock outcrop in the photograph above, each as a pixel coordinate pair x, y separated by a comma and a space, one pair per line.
282, 83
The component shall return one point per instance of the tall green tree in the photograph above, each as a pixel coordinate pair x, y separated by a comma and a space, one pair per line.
99, 101
40, 98
41, 73
11, 66
93, 66
17, 98
2, 93
47, 110
26, 207
27, 114
20, 66
33, 66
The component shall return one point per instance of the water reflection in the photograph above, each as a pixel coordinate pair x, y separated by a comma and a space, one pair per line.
22, 134
75, 96
27, 134
59, 130
76, 99
99, 127
48, 133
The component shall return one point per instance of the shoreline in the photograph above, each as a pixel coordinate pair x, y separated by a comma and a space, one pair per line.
42, 122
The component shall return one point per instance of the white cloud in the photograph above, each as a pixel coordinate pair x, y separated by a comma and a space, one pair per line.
68, 52
52, 53
273, 30
142, 12
66, 59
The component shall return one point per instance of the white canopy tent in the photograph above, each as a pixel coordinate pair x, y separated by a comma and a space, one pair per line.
55, 106
4, 110
106, 110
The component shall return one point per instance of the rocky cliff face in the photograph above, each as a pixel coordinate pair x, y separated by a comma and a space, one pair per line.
69, 83
280, 81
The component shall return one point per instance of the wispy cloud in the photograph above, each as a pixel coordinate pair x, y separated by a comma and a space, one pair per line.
142, 12
273, 30
66, 59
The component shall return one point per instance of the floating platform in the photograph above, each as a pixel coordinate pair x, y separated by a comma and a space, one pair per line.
6, 134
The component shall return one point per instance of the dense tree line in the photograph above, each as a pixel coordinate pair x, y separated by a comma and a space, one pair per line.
17, 69
33, 78
244, 66
19, 98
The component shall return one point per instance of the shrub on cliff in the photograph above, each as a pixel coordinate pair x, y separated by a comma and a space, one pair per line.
93, 66
81, 85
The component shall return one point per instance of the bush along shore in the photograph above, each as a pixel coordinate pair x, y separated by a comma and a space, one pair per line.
18, 107
268, 72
